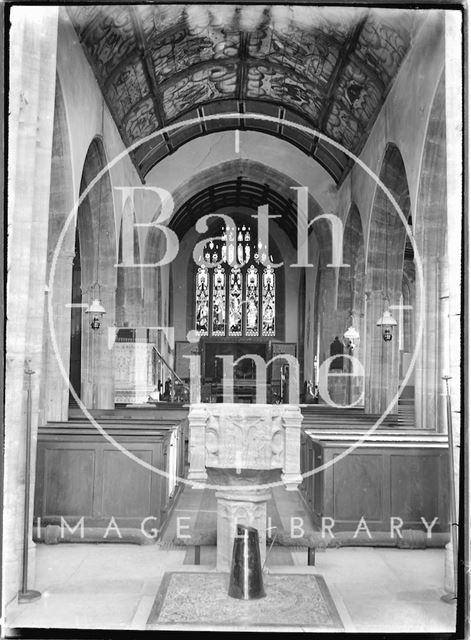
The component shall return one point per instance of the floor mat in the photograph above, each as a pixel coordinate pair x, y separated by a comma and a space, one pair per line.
187, 599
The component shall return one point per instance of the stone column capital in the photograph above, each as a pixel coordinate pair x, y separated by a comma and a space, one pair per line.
292, 417
198, 415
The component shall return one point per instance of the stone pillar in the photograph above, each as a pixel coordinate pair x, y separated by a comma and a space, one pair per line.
444, 343
129, 307
333, 322
239, 507
291, 420
197, 418
427, 368
97, 357
56, 390
151, 312
33, 43
454, 174
355, 383
327, 320
381, 359
104, 377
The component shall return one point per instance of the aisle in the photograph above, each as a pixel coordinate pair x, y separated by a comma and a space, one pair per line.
195, 515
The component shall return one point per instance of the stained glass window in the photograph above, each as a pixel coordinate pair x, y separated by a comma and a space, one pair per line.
268, 302
230, 247
202, 301
235, 302
219, 302
237, 296
252, 301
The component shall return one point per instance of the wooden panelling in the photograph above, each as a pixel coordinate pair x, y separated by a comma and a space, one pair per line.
79, 473
355, 487
415, 486
312, 485
126, 486
377, 483
67, 489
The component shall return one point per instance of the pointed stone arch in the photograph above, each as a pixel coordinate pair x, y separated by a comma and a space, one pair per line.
97, 236
383, 287
340, 300
55, 389
431, 234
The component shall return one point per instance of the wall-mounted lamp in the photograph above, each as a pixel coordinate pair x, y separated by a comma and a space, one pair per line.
98, 311
387, 323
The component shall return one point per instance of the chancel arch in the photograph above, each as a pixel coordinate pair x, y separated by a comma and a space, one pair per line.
261, 159
237, 310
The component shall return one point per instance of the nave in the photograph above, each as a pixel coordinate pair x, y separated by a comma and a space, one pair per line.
234, 299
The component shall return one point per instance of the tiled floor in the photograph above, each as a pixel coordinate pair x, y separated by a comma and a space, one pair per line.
111, 586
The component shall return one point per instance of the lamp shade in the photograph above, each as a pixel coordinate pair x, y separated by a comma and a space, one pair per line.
96, 307
386, 320
351, 334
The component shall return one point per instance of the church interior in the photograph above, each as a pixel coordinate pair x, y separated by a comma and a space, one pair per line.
233, 298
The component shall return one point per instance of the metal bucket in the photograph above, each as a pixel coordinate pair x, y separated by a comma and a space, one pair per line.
246, 580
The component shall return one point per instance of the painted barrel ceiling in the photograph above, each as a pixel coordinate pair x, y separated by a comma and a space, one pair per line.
329, 68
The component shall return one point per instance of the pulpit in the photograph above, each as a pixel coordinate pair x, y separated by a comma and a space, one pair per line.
135, 365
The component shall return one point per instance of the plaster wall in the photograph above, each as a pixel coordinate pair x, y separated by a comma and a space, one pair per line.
403, 118
88, 116
209, 152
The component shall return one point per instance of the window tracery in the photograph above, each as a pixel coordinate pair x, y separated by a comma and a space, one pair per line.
252, 301
268, 302
235, 290
202, 301
235, 302
219, 300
